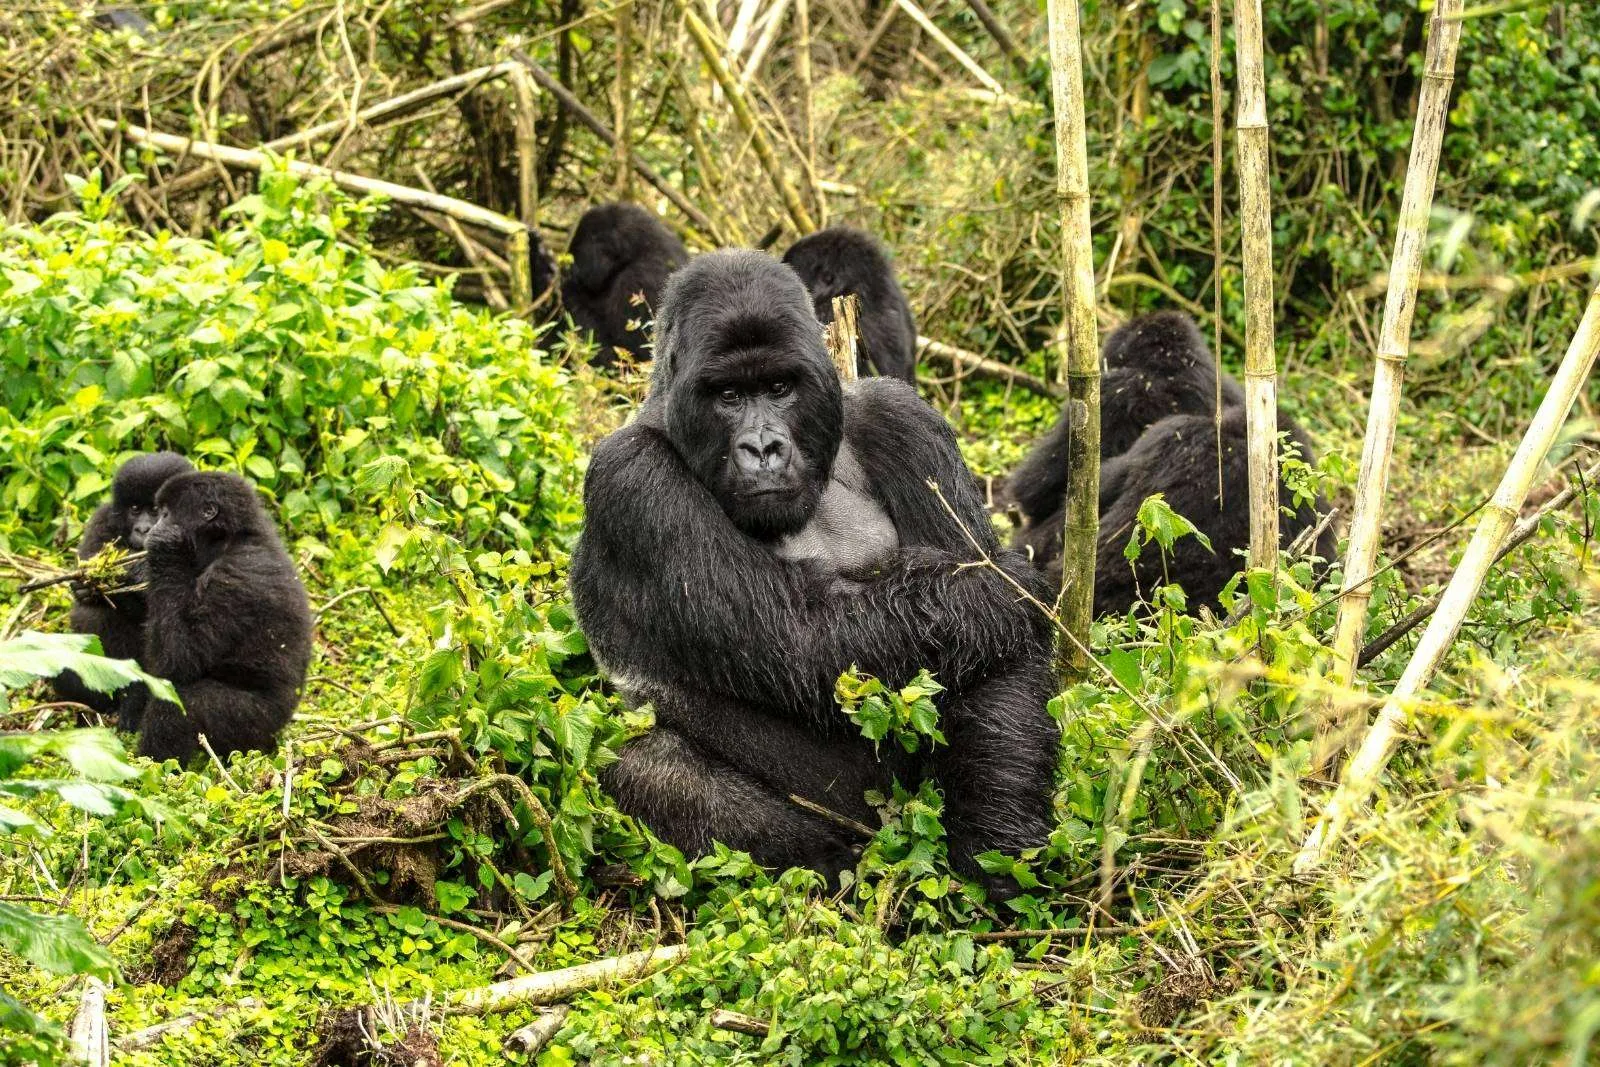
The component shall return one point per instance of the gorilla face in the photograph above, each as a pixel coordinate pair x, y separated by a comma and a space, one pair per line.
198, 514
133, 493
750, 398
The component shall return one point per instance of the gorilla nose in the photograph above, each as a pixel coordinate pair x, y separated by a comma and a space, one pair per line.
762, 452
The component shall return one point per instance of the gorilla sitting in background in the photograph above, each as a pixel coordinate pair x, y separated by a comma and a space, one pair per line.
621, 257
1172, 454
122, 522
839, 261
227, 621
712, 581
1152, 366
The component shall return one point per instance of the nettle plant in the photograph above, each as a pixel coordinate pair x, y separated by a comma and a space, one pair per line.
277, 349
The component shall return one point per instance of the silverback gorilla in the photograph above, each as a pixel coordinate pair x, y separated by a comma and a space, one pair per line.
689, 604
1158, 436
838, 261
122, 522
227, 621
620, 254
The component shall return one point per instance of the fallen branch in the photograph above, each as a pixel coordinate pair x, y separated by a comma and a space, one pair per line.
575, 107
1001, 35
1520, 534
151, 1036
537, 1034
962, 361
921, 18
723, 1019
832, 816
243, 159
549, 987
90, 1036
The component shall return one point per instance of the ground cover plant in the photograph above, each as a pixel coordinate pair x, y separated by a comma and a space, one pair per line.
432, 822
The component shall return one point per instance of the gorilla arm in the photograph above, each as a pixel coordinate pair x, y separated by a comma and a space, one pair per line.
669, 591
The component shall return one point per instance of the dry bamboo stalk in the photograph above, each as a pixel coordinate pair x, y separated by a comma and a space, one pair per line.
962, 361
808, 116
1001, 35
763, 45
518, 249
743, 22
1255, 209
403, 104
548, 987
1523, 532
90, 1034
1361, 773
1216, 230
624, 91
747, 121
527, 146
537, 1034
1080, 366
740, 1023
956, 52
243, 159
842, 337
1394, 346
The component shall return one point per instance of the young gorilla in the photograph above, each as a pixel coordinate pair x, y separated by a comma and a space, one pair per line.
707, 578
1175, 455
227, 621
122, 522
838, 261
620, 252
1154, 366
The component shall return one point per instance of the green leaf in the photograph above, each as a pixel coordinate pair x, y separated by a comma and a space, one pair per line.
55, 943
31, 656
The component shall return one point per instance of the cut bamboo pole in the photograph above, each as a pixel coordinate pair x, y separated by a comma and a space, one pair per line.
808, 111
747, 121
763, 45
243, 159
1361, 773
1394, 343
548, 987
537, 1034
1080, 366
90, 1034
1255, 210
921, 18
842, 338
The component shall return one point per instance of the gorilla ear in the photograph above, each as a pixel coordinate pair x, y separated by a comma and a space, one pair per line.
210, 511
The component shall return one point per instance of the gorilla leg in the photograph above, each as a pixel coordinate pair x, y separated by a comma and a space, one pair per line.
997, 768
233, 720
690, 800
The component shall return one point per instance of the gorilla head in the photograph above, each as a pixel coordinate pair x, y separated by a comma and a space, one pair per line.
133, 494
841, 260
744, 389
198, 515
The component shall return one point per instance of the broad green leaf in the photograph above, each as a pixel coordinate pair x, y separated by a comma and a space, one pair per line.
55, 943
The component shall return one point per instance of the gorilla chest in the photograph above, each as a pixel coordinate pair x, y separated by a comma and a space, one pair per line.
850, 532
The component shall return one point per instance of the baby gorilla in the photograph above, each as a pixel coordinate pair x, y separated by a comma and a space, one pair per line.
118, 618
839, 261
227, 621
1154, 366
620, 254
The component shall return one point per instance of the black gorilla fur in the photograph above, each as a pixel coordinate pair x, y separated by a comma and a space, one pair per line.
121, 522
227, 622
685, 600
839, 261
619, 252
1173, 454
1153, 366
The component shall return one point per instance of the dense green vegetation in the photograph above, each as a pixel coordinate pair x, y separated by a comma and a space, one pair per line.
433, 822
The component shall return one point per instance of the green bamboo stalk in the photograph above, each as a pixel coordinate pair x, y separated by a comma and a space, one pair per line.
1080, 363
1255, 210
1394, 344
1362, 772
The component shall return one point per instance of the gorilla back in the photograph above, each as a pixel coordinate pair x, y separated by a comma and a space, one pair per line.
228, 623
1155, 366
686, 598
621, 254
840, 260
118, 619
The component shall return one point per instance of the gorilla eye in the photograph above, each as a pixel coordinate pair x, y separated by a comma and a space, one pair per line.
781, 389
134, 509
729, 396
